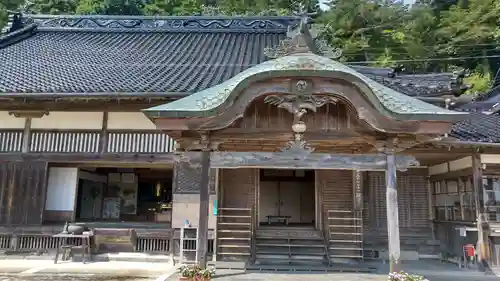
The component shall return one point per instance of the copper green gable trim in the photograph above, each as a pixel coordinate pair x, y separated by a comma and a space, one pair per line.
211, 101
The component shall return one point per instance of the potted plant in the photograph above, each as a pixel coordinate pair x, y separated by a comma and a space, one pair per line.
403, 276
206, 274
187, 272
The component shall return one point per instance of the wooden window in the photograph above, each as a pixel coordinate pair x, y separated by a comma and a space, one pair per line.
453, 200
491, 197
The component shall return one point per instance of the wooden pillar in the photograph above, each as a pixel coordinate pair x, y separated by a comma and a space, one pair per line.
392, 214
202, 243
26, 135
482, 225
103, 140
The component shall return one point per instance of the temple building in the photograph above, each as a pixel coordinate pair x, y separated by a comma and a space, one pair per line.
250, 132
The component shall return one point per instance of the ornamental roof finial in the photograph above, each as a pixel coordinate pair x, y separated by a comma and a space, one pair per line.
302, 39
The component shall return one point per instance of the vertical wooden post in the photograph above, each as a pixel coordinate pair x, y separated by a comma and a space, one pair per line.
482, 227
202, 243
392, 214
103, 140
26, 135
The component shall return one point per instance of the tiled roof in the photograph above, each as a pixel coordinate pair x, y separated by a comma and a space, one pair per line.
208, 101
478, 128
104, 54
487, 101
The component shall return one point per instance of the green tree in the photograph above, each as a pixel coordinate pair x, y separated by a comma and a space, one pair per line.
110, 7
53, 7
5, 6
364, 29
470, 29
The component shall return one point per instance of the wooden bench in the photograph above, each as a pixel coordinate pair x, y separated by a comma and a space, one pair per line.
283, 219
67, 248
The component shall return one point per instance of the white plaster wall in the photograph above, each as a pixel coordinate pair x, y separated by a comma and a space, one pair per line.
490, 158
61, 189
438, 169
129, 121
460, 164
10, 121
187, 207
69, 121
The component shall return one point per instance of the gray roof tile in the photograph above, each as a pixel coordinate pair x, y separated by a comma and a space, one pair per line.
116, 54
478, 128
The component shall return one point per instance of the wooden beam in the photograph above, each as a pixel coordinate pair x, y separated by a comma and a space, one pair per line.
286, 160
452, 175
482, 224
202, 243
166, 158
392, 215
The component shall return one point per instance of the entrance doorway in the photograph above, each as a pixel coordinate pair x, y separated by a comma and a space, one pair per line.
287, 197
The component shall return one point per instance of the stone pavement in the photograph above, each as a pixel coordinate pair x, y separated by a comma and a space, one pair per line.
433, 270
17, 270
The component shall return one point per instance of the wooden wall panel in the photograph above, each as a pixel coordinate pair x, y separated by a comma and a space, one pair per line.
239, 187
336, 188
22, 192
412, 199
414, 222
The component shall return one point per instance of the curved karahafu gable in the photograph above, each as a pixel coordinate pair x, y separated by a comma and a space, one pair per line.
214, 100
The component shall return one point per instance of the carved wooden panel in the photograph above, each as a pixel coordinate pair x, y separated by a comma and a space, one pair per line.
261, 115
187, 179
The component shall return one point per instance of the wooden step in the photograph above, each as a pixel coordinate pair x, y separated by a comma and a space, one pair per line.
233, 238
233, 246
284, 258
345, 226
346, 248
345, 241
288, 253
234, 216
347, 256
235, 223
345, 233
290, 245
234, 230
345, 219
233, 254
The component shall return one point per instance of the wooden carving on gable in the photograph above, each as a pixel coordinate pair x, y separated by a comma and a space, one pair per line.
300, 101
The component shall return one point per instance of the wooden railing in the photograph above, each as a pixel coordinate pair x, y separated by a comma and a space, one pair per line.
11, 140
87, 141
140, 142
64, 141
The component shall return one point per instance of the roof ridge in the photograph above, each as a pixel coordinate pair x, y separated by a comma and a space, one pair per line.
165, 23
17, 35
496, 80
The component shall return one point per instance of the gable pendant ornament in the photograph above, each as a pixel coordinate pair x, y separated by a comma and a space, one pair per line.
299, 104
